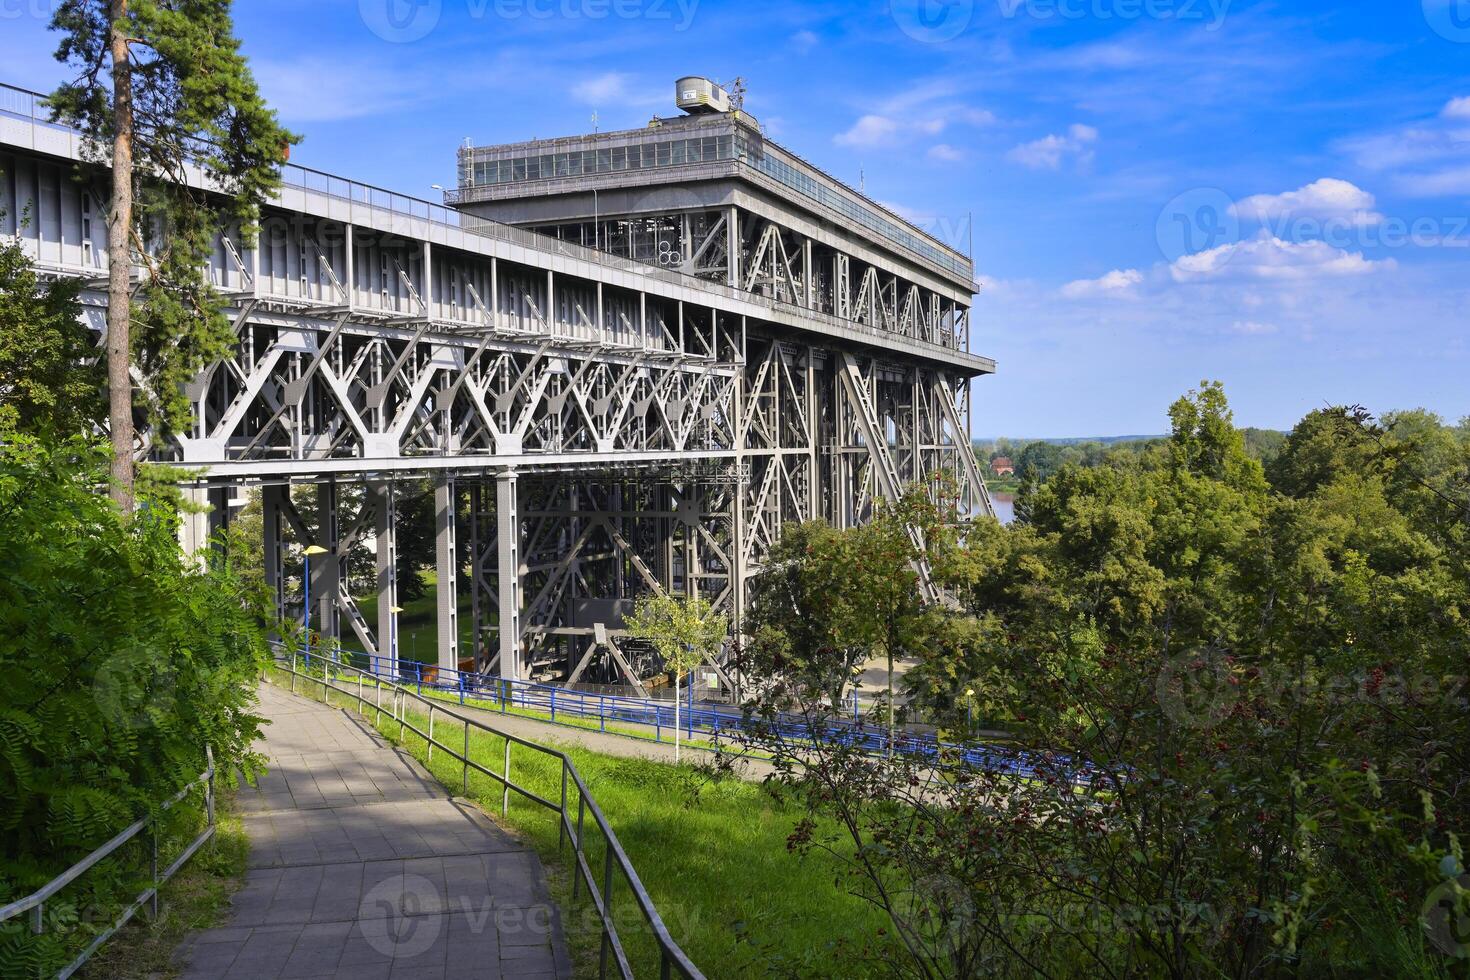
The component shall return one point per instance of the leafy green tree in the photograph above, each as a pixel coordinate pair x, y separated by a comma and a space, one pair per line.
685, 631
163, 92
123, 661
50, 379
1237, 712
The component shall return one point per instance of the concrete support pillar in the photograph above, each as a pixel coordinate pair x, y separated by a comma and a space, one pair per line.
446, 562
508, 560
385, 537
326, 570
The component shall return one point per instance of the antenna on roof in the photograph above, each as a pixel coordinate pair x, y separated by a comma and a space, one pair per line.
737, 93
594, 120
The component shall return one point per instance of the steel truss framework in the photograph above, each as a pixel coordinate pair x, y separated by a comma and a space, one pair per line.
751, 251
592, 433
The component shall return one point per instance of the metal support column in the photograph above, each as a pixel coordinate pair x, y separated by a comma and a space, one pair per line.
326, 574
508, 540
447, 561
385, 535
273, 553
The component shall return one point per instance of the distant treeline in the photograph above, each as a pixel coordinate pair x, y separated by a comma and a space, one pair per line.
1040, 459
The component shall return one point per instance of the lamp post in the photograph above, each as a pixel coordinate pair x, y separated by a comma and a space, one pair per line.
309, 552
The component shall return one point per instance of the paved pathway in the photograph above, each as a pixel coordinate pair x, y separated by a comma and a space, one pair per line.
362, 866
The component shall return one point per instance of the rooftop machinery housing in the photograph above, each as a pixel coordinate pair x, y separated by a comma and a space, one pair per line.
622, 360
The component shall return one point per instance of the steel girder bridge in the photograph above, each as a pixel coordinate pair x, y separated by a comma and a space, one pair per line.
617, 378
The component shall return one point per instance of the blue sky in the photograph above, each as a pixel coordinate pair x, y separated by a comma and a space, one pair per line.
1276, 195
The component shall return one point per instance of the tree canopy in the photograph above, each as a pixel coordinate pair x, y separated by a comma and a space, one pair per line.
1239, 691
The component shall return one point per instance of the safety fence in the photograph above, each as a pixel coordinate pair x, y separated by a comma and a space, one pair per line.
656, 717
35, 903
366, 691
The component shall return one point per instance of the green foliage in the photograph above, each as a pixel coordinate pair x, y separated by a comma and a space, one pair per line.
685, 631
121, 661
1266, 680
51, 381
195, 106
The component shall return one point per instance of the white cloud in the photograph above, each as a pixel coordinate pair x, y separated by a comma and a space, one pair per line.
804, 41
1269, 258
869, 131
1430, 158
944, 153
926, 108
1253, 328
316, 90
872, 131
1119, 283
1049, 152
1445, 182
613, 89
1328, 199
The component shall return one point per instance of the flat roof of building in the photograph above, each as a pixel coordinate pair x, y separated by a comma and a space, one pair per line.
774, 160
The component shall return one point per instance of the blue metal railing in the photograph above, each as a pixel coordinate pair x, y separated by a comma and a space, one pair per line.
566, 706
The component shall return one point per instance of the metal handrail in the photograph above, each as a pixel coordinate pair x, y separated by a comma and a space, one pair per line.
671, 956
35, 903
991, 754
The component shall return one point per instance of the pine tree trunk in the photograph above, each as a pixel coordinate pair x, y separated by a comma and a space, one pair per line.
119, 261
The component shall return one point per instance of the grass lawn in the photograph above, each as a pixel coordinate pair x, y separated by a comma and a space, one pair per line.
712, 856
195, 898
418, 629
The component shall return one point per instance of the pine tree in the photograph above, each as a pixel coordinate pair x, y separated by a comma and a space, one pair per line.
164, 93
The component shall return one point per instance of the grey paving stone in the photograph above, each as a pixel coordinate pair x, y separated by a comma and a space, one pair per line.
362, 867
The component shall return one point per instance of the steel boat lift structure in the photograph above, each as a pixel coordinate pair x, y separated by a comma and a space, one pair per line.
624, 360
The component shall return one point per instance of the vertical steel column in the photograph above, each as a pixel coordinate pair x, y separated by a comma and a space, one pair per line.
194, 523
326, 574
447, 561
732, 239
275, 577
508, 550
478, 547
385, 534
808, 273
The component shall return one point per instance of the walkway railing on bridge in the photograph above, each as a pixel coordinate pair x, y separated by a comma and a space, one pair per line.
35, 903
568, 706
332, 676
